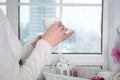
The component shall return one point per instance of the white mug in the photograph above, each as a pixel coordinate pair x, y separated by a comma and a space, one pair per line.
47, 22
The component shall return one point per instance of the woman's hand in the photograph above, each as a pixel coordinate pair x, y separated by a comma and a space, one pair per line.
56, 33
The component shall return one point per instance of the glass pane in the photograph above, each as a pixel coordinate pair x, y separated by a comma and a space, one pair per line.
83, 1
3, 7
2, 0
86, 22
31, 20
42, 1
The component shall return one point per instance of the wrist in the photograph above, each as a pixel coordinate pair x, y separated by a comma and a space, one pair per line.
48, 44
49, 41
33, 44
35, 41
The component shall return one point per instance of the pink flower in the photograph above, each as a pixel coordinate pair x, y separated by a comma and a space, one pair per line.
115, 55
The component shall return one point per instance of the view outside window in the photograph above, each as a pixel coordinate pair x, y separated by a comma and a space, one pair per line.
3, 8
83, 1
41, 1
31, 20
2, 0
3, 5
84, 17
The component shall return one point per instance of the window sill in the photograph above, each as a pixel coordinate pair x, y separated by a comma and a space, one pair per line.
80, 59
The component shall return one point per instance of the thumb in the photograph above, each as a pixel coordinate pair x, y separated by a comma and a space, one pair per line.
68, 35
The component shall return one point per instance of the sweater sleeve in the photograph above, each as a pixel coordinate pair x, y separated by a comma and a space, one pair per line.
26, 51
32, 66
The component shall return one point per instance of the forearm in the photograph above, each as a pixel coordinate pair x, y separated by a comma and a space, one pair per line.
32, 66
26, 51
28, 48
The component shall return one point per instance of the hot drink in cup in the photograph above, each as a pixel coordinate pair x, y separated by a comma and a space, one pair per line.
47, 22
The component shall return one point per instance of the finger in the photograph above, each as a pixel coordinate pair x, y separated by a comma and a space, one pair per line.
65, 30
55, 25
61, 27
68, 34
59, 23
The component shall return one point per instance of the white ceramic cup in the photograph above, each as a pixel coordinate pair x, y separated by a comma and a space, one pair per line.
47, 22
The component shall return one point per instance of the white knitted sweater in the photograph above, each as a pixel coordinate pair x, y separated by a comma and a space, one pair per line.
11, 52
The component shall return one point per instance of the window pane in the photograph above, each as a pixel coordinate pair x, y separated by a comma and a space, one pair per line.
3, 7
43, 1
86, 22
31, 20
2, 0
83, 1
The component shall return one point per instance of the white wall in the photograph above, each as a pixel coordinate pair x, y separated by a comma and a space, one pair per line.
12, 14
111, 33
117, 13
114, 21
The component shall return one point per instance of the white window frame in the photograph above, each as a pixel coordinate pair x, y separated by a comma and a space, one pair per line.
76, 59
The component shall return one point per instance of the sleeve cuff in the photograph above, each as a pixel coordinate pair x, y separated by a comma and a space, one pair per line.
45, 43
29, 46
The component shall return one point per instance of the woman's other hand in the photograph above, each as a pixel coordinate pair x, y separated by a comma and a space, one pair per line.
56, 33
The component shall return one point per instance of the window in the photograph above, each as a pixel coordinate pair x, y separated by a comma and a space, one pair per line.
3, 5
82, 16
88, 18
